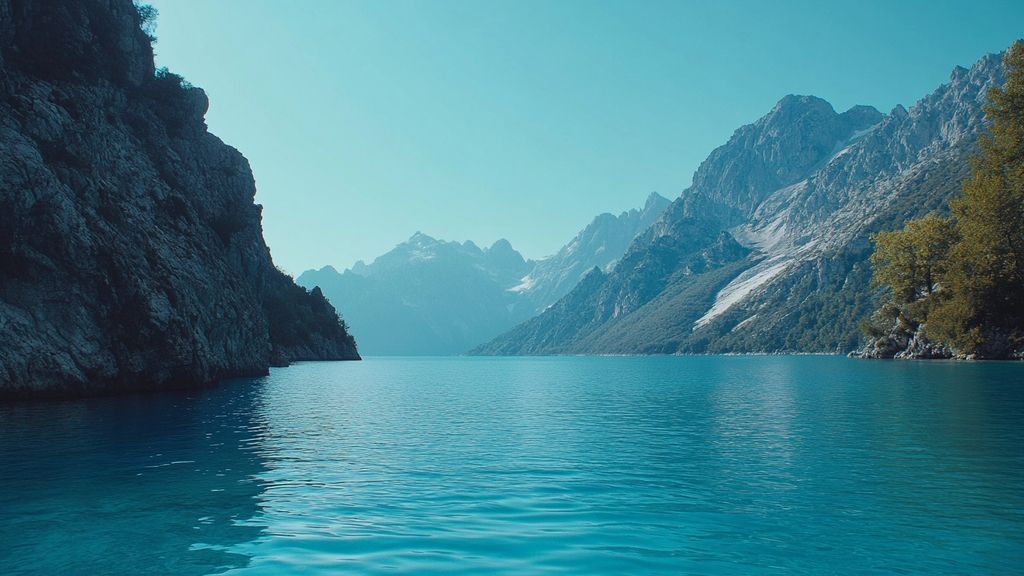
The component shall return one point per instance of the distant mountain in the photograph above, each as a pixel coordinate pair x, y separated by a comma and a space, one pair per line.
767, 250
599, 245
428, 296
431, 297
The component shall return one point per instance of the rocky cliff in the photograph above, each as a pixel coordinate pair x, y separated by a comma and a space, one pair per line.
131, 252
767, 250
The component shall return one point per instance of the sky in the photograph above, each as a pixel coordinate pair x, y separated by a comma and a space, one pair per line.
367, 121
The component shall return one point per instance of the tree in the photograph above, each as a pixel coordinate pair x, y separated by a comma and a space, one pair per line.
987, 265
964, 278
147, 19
913, 261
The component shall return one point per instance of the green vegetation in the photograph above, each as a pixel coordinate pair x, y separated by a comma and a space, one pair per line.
147, 20
963, 277
302, 325
913, 263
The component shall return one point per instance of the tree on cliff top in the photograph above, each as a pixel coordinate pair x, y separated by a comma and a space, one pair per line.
147, 19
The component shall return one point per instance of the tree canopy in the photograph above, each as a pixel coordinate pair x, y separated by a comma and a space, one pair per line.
913, 260
964, 277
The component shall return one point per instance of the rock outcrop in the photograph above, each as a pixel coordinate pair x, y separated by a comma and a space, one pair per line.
904, 343
131, 252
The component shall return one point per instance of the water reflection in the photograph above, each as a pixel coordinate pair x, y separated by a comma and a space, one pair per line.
155, 484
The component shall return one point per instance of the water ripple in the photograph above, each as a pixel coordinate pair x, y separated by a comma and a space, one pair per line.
572, 465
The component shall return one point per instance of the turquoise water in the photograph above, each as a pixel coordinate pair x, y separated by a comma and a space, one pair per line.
666, 465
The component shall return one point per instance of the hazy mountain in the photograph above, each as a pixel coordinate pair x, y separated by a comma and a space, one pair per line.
599, 245
428, 296
767, 250
131, 252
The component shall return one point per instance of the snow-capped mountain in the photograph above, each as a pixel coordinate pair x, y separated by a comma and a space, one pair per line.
432, 297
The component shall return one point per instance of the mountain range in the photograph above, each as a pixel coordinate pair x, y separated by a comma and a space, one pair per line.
432, 297
767, 250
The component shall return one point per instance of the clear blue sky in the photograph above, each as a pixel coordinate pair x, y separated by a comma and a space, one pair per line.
365, 121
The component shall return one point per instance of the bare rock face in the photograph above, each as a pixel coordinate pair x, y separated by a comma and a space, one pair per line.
903, 343
131, 252
780, 149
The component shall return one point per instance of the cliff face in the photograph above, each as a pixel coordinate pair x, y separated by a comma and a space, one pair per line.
800, 191
131, 252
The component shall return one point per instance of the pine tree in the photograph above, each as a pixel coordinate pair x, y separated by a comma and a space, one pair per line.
986, 271
965, 278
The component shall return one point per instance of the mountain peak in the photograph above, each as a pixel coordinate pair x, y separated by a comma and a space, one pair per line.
991, 61
778, 150
422, 239
501, 245
861, 116
796, 103
654, 199
503, 256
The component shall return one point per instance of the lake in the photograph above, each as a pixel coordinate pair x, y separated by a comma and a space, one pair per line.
613, 465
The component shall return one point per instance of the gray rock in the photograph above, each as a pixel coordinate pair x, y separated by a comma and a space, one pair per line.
131, 252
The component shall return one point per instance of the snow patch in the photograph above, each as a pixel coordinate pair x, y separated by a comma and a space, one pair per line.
740, 287
419, 255
841, 153
848, 144
857, 135
525, 283
766, 236
744, 323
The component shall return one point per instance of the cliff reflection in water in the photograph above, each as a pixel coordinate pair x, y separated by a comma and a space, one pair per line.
134, 485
